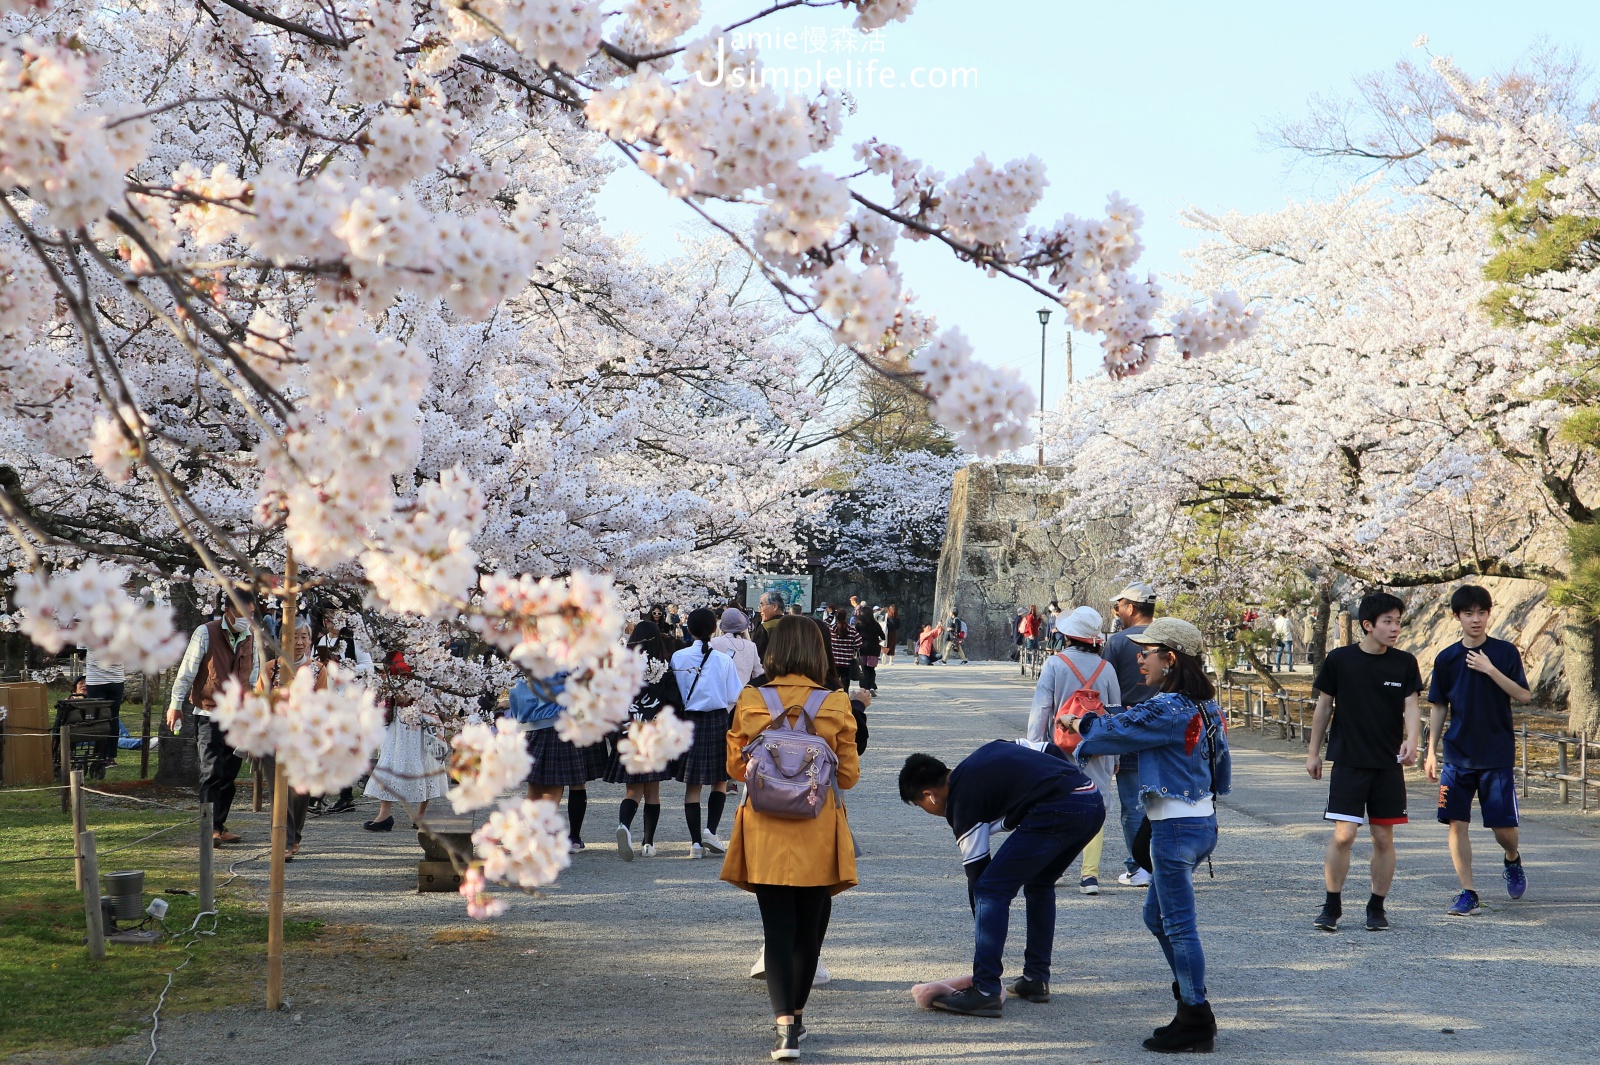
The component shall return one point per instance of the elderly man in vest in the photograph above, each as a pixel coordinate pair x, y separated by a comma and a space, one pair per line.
217, 651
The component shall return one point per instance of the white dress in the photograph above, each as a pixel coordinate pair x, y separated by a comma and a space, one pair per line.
407, 770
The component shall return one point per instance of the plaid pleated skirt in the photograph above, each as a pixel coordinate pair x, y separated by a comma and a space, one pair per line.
706, 760
616, 774
555, 761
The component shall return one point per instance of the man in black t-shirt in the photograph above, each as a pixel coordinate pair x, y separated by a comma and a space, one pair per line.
1051, 810
1370, 691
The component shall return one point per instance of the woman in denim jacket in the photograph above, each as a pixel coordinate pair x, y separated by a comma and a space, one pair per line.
1183, 765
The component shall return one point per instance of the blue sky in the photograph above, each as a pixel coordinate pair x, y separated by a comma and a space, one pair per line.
1161, 101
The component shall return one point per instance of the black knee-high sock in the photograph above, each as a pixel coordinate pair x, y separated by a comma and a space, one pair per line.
691, 814
577, 806
714, 806
626, 811
652, 815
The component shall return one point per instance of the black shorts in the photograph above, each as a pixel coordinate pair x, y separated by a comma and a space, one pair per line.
1367, 796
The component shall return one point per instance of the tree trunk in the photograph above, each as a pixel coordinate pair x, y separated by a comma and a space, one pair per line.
1320, 622
1580, 659
1261, 669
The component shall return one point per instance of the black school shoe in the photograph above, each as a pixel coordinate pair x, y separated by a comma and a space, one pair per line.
1327, 920
1194, 1031
785, 1042
1032, 990
1377, 921
970, 1002
386, 825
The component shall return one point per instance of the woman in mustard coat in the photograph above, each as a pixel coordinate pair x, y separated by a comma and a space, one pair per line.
794, 866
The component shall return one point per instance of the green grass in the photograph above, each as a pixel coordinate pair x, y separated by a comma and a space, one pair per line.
52, 996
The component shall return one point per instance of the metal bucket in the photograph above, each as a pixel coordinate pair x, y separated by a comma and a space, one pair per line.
126, 890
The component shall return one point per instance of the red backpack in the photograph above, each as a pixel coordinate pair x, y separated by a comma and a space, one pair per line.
1086, 700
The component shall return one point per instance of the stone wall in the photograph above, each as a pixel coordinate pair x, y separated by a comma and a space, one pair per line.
1003, 549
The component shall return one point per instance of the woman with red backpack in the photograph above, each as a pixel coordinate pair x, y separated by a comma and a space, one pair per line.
793, 855
1074, 681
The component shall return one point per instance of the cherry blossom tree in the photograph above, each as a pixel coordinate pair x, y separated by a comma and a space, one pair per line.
321, 281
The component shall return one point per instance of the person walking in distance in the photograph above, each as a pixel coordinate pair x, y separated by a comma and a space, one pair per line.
659, 690
955, 637
217, 651
731, 640
708, 685
1135, 608
1283, 638
845, 642
794, 865
1184, 763
1063, 674
1369, 690
1475, 681
872, 639
1035, 792
891, 632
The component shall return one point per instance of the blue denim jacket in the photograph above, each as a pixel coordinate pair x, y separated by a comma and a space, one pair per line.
1182, 746
533, 711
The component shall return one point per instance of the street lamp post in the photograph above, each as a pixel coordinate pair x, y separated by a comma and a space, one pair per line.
1044, 318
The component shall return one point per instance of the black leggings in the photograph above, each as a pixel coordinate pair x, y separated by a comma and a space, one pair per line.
795, 920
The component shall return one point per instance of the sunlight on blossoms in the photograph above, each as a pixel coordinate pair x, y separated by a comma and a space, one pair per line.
91, 607
649, 746
485, 763
523, 844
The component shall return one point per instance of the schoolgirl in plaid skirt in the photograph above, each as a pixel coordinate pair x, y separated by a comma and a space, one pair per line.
659, 690
709, 685
557, 764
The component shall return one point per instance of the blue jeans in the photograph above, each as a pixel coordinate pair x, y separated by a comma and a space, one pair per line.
1131, 809
1285, 654
1031, 860
1177, 846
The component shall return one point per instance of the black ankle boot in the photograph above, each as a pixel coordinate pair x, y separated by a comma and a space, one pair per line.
1194, 1031
1178, 998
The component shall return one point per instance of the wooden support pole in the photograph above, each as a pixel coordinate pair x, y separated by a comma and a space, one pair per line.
1583, 769
66, 767
257, 784
91, 897
78, 826
144, 731
208, 893
280, 804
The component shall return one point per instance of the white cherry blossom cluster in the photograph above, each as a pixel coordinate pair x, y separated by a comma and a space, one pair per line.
370, 64
864, 304
481, 906
987, 408
485, 763
426, 565
598, 697
90, 607
550, 626
988, 204
523, 843
1211, 327
407, 141
554, 33
650, 746
51, 141
324, 736
805, 213
664, 21
874, 14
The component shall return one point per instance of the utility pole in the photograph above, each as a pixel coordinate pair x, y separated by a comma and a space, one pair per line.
1044, 317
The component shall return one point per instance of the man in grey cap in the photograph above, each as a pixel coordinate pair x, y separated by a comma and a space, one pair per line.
1135, 608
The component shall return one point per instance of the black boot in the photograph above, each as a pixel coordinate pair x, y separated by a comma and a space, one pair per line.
1178, 998
1195, 1030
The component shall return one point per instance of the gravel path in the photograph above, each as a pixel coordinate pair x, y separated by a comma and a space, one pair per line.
646, 962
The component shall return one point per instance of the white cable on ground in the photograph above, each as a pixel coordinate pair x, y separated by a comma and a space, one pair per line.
155, 1015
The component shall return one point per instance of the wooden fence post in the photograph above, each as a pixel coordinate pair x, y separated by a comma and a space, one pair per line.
1583, 769
1561, 768
280, 802
91, 897
65, 735
208, 895
75, 789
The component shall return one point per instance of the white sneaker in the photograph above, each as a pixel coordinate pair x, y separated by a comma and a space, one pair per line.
758, 971
711, 842
822, 976
624, 843
1137, 878
647, 851
696, 851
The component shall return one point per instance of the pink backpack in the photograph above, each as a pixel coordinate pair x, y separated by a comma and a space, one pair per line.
1078, 704
790, 768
